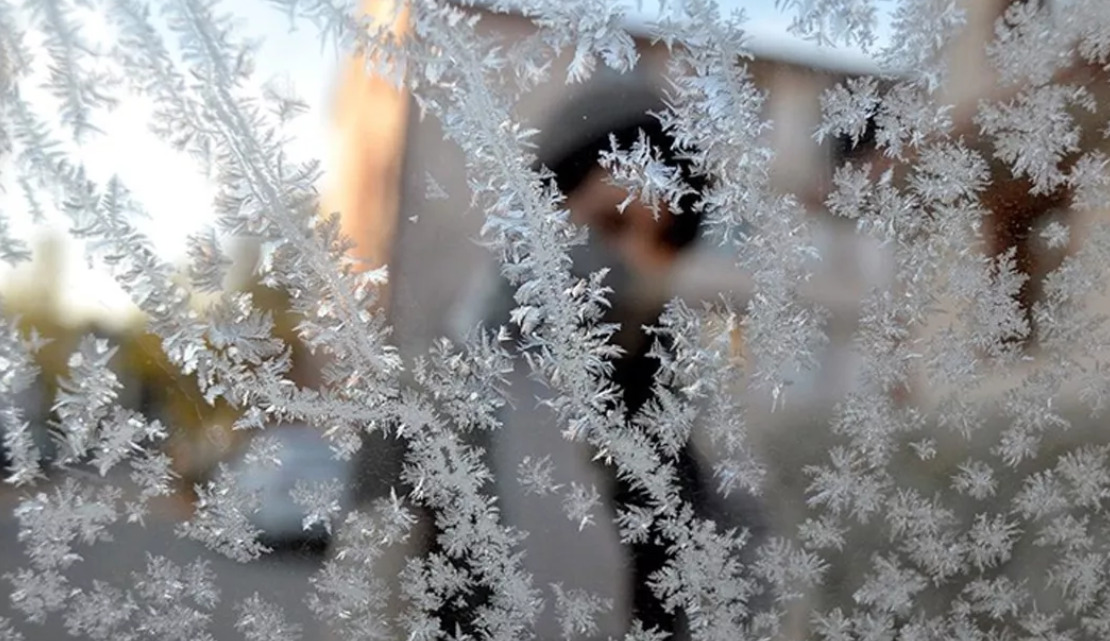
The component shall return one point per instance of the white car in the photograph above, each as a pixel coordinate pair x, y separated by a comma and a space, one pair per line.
304, 456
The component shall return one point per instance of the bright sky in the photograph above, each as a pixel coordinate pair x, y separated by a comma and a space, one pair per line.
169, 184
767, 27
178, 197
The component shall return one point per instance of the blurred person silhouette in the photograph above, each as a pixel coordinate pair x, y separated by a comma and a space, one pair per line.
641, 251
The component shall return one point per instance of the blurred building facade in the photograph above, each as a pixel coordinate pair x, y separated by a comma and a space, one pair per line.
432, 249
430, 244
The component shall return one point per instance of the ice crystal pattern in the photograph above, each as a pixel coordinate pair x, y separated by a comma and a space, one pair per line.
958, 491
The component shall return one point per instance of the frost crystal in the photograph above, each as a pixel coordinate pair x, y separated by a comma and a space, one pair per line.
891, 427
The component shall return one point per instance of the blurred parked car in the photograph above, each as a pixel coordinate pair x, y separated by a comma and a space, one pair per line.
304, 456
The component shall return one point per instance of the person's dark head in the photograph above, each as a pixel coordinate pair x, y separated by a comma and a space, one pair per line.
637, 248
570, 146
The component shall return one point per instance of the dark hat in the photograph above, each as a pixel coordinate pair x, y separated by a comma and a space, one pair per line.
606, 106
618, 105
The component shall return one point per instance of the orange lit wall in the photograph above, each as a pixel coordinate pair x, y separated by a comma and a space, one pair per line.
369, 119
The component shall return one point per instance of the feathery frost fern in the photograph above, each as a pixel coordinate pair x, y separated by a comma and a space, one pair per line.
958, 491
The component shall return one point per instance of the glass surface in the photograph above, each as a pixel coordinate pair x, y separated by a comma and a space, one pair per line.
511, 320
